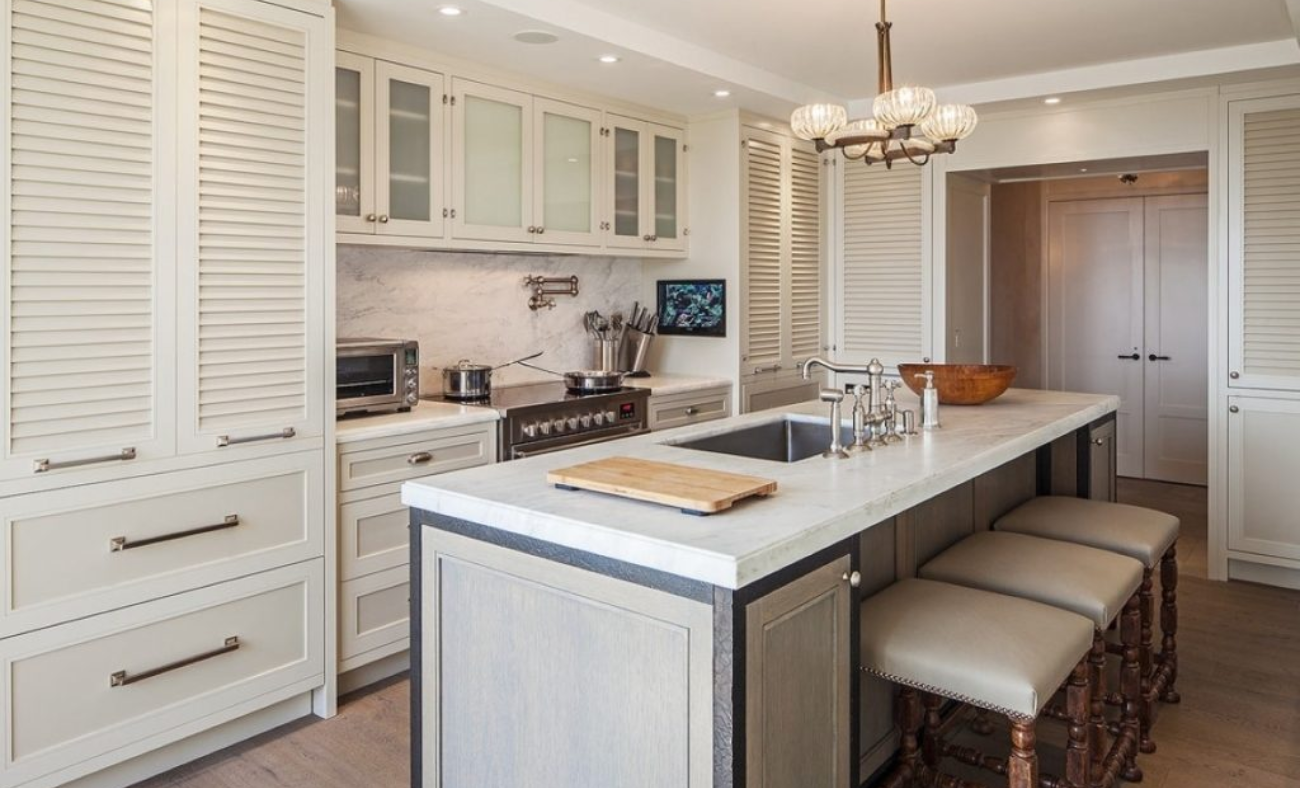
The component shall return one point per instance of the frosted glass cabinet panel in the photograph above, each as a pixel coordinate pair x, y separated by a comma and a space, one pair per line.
354, 143
492, 156
568, 138
410, 134
646, 187
669, 189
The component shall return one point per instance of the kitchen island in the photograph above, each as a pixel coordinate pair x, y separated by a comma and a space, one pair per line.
577, 639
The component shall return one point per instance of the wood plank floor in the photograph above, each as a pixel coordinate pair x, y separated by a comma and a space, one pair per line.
1237, 727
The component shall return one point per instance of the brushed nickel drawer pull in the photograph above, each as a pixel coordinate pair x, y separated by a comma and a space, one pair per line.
692, 411
121, 679
419, 458
226, 440
119, 543
42, 466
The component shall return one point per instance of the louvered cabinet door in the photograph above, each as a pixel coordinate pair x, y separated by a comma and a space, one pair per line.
255, 164
1264, 243
806, 261
765, 247
883, 279
86, 308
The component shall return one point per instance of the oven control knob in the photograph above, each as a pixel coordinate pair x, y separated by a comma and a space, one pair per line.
544, 427
611, 417
586, 421
599, 418
559, 425
411, 384
573, 423
412, 398
529, 430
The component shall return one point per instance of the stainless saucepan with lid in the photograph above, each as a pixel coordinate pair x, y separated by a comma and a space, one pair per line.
469, 381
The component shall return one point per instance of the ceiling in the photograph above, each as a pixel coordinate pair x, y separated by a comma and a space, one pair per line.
773, 54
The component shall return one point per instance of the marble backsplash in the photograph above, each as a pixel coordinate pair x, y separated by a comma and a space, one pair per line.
475, 306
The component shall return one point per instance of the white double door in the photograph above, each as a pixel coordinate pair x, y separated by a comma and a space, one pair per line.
1126, 315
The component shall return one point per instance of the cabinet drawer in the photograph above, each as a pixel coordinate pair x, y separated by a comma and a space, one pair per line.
374, 617
691, 408
87, 694
374, 534
417, 455
76, 552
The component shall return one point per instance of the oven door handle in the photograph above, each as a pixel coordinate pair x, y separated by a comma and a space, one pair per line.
523, 454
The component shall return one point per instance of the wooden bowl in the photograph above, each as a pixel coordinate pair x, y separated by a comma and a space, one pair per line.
961, 384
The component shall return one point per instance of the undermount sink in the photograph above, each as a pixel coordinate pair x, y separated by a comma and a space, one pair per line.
787, 440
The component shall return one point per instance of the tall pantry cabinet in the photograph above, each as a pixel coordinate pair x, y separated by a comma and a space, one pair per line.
1261, 394
167, 275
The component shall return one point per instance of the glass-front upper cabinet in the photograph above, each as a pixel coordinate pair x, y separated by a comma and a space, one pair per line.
389, 133
646, 196
409, 133
492, 163
354, 143
567, 142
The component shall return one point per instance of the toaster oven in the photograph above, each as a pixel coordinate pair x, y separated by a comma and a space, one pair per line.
375, 375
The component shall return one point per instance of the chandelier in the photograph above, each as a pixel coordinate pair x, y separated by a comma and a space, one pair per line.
907, 124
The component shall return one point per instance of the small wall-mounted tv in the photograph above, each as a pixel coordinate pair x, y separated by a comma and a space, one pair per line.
693, 307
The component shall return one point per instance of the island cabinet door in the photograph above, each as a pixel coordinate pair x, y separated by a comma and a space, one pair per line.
798, 686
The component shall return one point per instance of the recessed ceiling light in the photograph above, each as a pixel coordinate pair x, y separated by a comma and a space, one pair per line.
450, 10
1052, 100
722, 93
536, 37
609, 58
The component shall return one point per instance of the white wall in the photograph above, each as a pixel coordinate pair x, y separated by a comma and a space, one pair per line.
714, 195
967, 261
467, 305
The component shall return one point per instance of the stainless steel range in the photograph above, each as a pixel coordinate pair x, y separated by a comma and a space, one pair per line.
539, 418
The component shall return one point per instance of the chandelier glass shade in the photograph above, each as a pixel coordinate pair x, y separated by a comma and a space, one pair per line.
907, 123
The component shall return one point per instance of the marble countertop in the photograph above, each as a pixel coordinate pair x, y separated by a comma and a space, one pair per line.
424, 416
818, 502
662, 385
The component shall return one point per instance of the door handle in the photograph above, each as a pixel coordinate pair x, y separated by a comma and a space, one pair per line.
1133, 357
1154, 357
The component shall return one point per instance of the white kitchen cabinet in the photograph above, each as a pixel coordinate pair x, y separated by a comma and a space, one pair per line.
690, 407
882, 287
87, 346
1262, 466
389, 148
251, 270
374, 530
646, 193
492, 163
782, 261
1263, 249
568, 173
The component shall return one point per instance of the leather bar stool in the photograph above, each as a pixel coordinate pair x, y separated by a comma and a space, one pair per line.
1147, 535
1098, 585
1003, 654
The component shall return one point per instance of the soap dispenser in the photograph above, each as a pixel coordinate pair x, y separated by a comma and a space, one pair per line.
929, 402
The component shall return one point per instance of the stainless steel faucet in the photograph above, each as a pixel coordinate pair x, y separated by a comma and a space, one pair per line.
870, 424
843, 369
836, 450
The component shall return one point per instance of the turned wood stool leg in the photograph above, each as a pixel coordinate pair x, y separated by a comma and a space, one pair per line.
1130, 629
1078, 699
1022, 766
909, 750
931, 745
1097, 717
1146, 710
1169, 622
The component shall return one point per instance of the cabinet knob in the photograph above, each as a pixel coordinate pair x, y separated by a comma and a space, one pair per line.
532, 229
419, 458
1234, 409
925, 360
541, 230
383, 219
645, 237
1098, 441
692, 411
654, 238
370, 217
1234, 375
854, 579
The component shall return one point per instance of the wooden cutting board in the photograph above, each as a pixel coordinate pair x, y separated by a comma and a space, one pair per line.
693, 490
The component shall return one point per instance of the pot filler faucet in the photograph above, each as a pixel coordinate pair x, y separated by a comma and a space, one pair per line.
875, 423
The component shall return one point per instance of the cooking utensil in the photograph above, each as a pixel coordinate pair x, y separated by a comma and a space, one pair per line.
466, 381
592, 381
